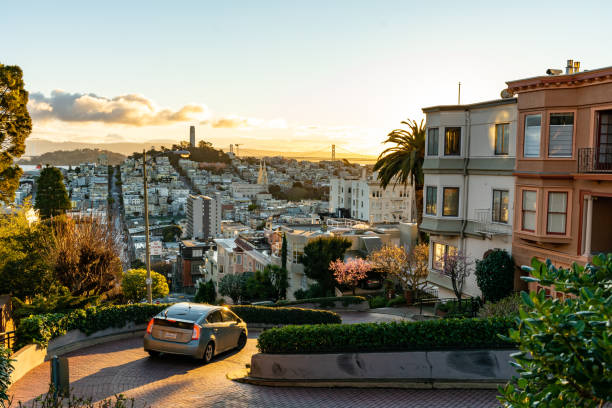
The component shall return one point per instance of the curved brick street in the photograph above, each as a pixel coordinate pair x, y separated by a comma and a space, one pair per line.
123, 367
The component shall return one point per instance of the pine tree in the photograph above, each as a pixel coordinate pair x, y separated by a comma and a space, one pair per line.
15, 127
51, 196
284, 253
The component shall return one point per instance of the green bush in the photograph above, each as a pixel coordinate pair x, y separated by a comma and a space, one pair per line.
396, 301
445, 334
495, 275
6, 368
39, 329
206, 293
463, 309
565, 357
50, 400
377, 301
325, 301
284, 315
507, 307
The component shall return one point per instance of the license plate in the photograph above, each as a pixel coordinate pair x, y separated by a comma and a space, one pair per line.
169, 335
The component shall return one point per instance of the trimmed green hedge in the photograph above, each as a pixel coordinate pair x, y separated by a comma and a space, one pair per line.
284, 315
325, 301
39, 329
396, 336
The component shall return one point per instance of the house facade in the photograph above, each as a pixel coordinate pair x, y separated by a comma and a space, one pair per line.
468, 184
563, 190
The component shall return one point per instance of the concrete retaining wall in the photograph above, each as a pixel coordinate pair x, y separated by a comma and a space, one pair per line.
459, 365
25, 359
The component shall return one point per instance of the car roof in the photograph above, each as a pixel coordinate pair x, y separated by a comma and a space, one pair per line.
189, 311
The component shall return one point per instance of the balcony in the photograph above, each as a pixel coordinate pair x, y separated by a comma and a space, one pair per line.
482, 223
595, 160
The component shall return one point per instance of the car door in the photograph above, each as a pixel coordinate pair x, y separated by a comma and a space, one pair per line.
232, 328
215, 320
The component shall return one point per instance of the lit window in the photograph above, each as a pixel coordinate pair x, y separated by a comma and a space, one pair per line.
502, 138
500, 206
441, 251
450, 203
452, 141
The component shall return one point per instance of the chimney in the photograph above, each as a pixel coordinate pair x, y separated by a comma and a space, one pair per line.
364, 173
576, 67
569, 69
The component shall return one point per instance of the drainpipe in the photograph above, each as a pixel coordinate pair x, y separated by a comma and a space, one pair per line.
465, 179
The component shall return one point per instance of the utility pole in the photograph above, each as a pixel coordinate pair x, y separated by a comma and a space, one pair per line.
459, 95
146, 217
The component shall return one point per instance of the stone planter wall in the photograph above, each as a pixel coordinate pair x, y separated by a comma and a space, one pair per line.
422, 366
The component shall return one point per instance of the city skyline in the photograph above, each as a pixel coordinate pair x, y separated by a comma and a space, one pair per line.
274, 76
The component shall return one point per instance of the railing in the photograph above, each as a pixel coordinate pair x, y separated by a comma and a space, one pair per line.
7, 339
595, 160
484, 223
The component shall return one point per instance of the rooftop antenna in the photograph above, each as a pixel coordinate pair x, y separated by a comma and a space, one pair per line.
459, 95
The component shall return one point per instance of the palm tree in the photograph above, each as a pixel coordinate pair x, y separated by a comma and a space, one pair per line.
403, 163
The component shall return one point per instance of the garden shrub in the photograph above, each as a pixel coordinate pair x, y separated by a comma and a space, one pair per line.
40, 329
495, 275
325, 301
396, 301
377, 301
506, 307
6, 368
444, 334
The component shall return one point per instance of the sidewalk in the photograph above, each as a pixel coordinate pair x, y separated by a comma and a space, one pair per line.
408, 312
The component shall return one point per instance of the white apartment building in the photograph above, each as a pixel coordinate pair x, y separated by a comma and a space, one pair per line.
363, 199
468, 196
203, 216
246, 190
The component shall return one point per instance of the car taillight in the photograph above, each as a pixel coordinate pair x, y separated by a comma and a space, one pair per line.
150, 326
195, 334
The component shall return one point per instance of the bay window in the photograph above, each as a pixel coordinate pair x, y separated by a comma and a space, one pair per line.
557, 212
560, 134
533, 130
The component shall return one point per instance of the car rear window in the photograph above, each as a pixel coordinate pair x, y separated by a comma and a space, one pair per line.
173, 323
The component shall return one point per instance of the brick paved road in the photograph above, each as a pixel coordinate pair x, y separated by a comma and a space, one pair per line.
123, 367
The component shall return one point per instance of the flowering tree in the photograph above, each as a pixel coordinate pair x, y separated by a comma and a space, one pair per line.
410, 268
457, 267
350, 272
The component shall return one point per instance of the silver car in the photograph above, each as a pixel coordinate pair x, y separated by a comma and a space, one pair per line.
193, 329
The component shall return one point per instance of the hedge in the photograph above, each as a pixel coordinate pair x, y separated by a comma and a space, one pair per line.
39, 329
324, 301
425, 335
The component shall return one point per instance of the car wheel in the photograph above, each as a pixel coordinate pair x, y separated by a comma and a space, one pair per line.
153, 353
209, 352
242, 341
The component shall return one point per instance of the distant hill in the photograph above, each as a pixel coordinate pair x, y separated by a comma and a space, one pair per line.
74, 157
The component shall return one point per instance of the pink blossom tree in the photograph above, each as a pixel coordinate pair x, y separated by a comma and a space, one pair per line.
350, 272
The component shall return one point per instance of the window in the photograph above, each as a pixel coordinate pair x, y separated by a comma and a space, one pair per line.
500, 206
229, 316
529, 210
239, 259
214, 317
432, 141
533, 128
560, 134
431, 201
196, 253
557, 212
452, 141
450, 203
502, 138
441, 251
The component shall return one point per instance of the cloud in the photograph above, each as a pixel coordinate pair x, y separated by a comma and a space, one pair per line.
130, 109
238, 122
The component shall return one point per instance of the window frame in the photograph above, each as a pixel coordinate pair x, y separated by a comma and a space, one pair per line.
500, 206
548, 212
535, 227
434, 262
507, 140
446, 144
548, 115
444, 200
543, 125
437, 142
435, 200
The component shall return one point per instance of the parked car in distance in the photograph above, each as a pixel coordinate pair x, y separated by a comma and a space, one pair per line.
194, 329
373, 280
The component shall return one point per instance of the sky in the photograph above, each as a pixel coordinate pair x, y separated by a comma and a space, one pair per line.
280, 75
